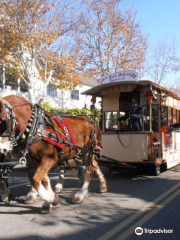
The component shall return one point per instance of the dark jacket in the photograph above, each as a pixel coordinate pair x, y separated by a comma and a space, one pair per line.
135, 115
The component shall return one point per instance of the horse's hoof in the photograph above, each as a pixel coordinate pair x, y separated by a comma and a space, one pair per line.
30, 200
78, 198
103, 189
46, 208
56, 201
58, 188
7, 199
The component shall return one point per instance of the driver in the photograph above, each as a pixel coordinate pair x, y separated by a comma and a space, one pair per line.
134, 115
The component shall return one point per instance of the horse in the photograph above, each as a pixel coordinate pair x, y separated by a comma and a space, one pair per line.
41, 141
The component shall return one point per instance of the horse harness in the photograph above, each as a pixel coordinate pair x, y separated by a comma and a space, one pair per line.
37, 130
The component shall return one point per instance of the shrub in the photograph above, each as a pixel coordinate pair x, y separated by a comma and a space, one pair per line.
76, 111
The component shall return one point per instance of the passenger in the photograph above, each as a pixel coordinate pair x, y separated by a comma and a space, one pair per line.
134, 115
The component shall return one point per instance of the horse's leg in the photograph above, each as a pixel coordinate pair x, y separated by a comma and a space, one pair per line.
85, 174
44, 190
80, 163
80, 195
101, 178
60, 183
46, 205
5, 192
32, 194
82, 174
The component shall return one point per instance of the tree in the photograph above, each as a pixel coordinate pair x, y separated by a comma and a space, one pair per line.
175, 87
26, 28
163, 61
109, 39
60, 70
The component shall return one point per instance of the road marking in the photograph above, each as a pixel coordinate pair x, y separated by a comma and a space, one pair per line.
131, 230
19, 185
138, 214
28, 183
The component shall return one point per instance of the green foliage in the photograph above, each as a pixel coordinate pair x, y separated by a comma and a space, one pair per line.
46, 106
76, 111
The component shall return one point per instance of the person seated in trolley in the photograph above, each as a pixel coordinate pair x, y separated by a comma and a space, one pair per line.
134, 116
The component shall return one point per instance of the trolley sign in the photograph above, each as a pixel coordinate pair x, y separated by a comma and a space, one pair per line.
122, 76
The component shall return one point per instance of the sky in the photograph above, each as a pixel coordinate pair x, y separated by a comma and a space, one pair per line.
159, 19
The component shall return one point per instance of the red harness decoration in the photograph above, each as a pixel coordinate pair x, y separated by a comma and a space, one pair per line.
54, 138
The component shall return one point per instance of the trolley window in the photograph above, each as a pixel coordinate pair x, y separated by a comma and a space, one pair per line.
124, 123
175, 116
111, 120
170, 116
178, 116
155, 118
164, 116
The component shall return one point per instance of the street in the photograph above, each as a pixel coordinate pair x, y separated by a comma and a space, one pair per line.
133, 200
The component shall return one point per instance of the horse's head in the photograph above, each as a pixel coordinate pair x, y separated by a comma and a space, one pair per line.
7, 118
15, 112
3, 117
2, 111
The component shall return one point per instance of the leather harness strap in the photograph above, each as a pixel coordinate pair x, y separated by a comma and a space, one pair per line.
42, 128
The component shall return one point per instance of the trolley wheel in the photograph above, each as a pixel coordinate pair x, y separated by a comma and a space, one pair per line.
156, 170
164, 167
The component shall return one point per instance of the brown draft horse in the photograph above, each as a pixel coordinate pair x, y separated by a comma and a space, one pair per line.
17, 119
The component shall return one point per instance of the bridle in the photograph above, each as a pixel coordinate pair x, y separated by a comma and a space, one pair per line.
10, 122
34, 124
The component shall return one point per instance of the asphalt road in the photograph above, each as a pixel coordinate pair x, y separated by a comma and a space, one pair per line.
133, 200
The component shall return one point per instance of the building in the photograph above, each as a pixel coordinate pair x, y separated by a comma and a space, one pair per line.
58, 98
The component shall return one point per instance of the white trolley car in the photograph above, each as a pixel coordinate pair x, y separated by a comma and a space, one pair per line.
158, 144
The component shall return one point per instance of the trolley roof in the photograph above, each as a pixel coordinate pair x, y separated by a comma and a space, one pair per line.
97, 90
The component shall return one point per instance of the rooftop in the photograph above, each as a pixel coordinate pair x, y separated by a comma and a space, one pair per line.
97, 89
90, 82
